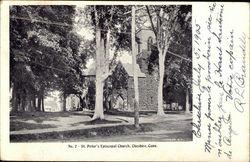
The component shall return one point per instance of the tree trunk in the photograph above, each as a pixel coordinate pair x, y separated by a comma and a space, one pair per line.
34, 103
99, 100
29, 102
14, 99
136, 89
187, 102
42, 100
64, 102
23, 102
81, 101
14, 103
160, 110
39, 103
86, 102
102, 72
106, 105
11, 95
111, 103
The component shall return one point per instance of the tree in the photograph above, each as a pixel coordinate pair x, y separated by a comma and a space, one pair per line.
165, 21
178, 64
43, 45
107, 26
135, 75
102, 72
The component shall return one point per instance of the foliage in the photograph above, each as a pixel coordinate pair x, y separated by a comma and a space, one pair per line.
119, 78
113, 18
90, 95
177, 69
178, 32
42, 39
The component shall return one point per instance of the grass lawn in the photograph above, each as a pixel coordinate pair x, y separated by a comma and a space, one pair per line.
74, 126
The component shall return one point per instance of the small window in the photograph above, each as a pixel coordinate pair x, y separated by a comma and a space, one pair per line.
150, 43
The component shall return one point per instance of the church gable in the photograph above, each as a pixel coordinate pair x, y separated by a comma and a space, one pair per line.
120, 77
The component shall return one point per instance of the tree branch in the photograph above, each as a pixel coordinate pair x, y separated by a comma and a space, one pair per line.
167, 41
174, 54
96, 17
151, 21
107, 51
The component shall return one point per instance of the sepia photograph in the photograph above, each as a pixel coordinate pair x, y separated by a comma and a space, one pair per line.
100, 73
124, 80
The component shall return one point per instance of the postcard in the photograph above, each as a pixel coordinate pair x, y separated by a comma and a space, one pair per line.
124, 80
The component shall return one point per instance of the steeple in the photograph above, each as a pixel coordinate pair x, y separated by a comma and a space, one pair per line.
145, 40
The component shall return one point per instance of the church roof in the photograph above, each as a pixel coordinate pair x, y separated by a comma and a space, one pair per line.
129, 70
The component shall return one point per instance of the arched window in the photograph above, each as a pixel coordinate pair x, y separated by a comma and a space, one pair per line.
150, 43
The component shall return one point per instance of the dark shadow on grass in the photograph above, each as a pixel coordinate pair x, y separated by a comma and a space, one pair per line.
37, 114
17, 125
142, 113
97, 121
89, 114
128, 114
37, 119
103, 121
122, 120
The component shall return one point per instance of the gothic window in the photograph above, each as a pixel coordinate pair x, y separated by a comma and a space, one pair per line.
150, 43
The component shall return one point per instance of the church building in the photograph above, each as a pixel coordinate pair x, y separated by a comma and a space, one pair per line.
147, 82
122, 97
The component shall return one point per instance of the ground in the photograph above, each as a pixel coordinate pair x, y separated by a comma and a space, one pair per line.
117, 126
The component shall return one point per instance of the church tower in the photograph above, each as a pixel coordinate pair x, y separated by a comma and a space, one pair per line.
145, 40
